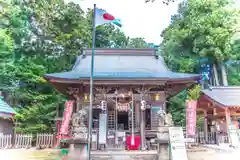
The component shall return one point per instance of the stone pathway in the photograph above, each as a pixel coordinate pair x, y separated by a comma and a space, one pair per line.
23, 154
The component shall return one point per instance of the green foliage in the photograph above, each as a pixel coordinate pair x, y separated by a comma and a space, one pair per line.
200, 121
137, 43
177, 108
194, 93
39, 37
201, 28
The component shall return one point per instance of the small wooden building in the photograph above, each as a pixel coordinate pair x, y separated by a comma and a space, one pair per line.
221, 108
122, 78
6, 118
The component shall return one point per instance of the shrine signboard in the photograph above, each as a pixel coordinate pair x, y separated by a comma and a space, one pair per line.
177, 144
102, 128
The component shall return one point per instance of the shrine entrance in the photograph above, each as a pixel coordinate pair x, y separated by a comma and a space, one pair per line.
122, 121
119, 115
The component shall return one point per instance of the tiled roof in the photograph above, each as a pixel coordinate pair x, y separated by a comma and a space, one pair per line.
227, 96
5, 108
141, 64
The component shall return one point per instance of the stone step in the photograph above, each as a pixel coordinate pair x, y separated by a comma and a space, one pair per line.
120, 157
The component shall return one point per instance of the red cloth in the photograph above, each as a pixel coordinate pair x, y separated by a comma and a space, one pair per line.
136, 144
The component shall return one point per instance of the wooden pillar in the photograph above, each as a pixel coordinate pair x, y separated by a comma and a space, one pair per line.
58, 126
142, 129
57, 116
215, 114
216, 126
78, 104
205, 125
138, 117
228, 123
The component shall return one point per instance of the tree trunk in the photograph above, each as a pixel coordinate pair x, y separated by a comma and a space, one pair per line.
224, 74
215, 73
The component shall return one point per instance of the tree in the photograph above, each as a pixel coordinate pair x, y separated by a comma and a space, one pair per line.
40, 37
167, 2
202, 29
137, 43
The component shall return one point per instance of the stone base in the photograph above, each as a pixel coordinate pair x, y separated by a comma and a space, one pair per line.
163, 152
163, 143
78, 149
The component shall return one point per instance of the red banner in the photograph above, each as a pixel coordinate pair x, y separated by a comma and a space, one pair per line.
191, 118
66, 117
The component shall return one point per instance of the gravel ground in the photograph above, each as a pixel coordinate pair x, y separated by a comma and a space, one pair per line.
22, 154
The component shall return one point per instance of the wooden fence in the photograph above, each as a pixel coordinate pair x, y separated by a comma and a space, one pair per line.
27, 141
212, 137
45, 140
23, 141
5, 141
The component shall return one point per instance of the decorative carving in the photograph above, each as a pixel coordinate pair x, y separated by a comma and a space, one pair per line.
79, 129
71, 90
123, 107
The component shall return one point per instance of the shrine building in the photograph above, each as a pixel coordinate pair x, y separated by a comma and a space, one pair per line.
134, 84
221, 109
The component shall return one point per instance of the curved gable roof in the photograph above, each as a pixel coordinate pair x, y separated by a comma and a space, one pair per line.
122, 64
226, 96
5, 108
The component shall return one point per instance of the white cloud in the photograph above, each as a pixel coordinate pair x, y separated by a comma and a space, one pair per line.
138, 18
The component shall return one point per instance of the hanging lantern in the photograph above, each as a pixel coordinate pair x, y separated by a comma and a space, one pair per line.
143, 105
86, 97
104, 105
156, 97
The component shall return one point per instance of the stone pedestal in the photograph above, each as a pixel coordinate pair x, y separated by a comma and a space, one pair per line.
163, 143
164, 122
78, 149
78, 143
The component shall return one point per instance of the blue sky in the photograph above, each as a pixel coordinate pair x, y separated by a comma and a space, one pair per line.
138, 18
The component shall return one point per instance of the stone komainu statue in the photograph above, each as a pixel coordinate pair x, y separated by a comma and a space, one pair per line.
79, 129
168, 120
164, 119
161, 118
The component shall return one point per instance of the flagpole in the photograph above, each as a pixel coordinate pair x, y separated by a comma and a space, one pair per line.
91, 85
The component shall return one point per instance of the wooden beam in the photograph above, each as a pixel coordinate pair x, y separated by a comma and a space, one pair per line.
113, 81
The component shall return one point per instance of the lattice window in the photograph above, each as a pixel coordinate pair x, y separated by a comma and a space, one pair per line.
111, 120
